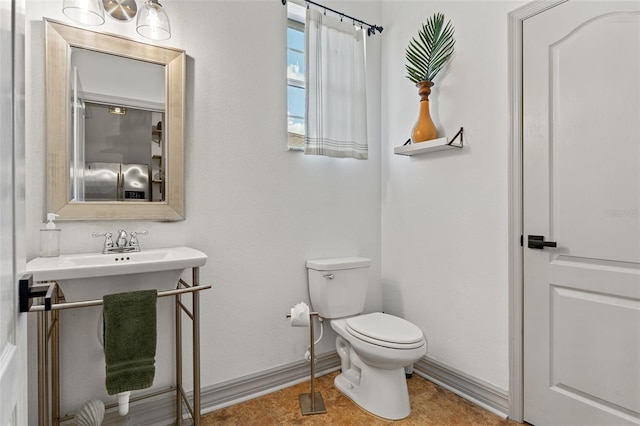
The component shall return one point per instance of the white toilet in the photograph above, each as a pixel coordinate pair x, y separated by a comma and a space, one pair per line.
374, 348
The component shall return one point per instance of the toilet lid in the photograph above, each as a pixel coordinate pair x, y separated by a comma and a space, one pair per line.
379, 328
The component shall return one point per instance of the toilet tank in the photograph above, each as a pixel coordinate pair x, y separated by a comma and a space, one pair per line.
338, 287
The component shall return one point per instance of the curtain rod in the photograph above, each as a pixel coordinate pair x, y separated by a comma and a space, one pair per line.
370, 31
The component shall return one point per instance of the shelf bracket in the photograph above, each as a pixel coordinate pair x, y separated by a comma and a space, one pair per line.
460, 133
450, 143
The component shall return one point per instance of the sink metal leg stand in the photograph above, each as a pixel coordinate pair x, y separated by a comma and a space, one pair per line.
43, 370
48, 342
55, 360
49, 362
312, 403
178, 325
194, 314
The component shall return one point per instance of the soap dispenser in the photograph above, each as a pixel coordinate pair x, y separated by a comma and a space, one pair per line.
50, 238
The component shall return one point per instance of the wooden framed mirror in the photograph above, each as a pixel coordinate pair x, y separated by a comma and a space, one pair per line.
90, 167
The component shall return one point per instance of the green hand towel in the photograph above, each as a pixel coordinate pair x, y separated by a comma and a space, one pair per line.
130, 340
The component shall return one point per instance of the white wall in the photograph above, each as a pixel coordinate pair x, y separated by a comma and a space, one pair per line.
255, 208
444, 215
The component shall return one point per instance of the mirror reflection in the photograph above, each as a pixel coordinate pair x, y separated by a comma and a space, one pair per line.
115, 110
118, 114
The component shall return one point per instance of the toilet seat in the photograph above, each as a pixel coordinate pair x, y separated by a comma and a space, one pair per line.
385, 330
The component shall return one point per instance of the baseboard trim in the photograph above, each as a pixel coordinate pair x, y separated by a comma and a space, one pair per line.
160, 411
475, 390
254, 385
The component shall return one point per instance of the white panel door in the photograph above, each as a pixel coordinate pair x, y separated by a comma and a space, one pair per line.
13, 377
582, 190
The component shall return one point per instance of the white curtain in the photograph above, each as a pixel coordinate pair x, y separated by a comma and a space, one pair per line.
336, 99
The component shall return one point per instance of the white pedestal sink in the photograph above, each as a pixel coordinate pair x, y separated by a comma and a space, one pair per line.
88, 276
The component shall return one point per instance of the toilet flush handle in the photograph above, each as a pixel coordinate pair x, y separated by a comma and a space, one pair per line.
329, 276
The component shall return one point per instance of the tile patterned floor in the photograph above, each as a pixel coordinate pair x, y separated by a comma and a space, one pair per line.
431, 405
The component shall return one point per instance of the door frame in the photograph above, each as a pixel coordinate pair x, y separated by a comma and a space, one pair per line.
515, 250
13, 361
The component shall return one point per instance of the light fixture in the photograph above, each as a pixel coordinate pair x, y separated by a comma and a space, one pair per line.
88, 12
153, 21
117, 110
121, 10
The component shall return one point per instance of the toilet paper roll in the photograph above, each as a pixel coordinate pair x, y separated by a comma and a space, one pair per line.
300, 315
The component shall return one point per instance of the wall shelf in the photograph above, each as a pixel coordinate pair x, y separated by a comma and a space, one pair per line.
439, 144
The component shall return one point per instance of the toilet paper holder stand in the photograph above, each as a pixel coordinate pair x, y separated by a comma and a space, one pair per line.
311, 403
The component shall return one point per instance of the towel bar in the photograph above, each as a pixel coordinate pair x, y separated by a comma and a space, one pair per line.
48, 306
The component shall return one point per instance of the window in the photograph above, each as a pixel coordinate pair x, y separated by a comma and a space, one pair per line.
295, 75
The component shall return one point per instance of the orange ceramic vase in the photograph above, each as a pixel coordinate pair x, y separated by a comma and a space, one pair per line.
424, 129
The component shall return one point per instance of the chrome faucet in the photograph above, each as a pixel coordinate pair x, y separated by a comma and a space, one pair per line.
121, 245
122, 239
133, 241
108, 242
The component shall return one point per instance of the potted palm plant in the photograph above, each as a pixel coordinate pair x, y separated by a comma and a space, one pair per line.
426, 56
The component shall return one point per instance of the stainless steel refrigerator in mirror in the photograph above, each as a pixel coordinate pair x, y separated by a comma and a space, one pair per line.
116, 182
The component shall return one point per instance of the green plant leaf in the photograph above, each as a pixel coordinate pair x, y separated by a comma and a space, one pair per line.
429, 52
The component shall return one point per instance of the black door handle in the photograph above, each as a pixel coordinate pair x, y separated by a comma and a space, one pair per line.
538, 242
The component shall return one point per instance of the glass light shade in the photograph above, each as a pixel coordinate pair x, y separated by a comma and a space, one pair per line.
88, 12
153, 22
